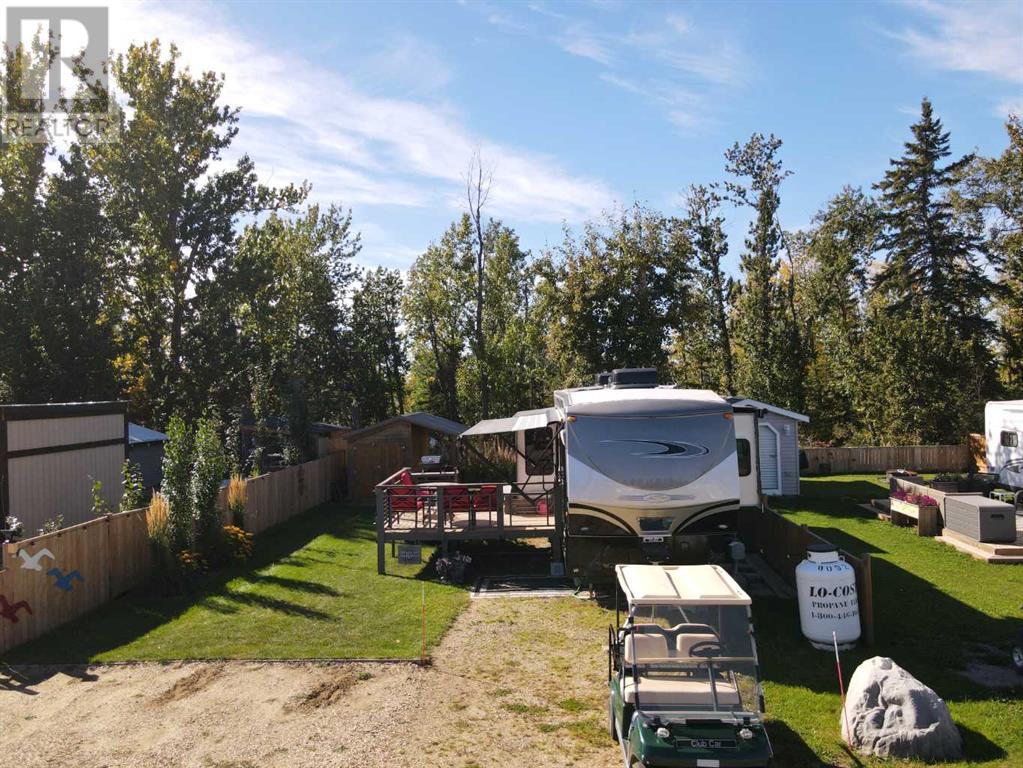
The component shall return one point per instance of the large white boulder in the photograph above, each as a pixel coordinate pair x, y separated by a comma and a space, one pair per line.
892, 714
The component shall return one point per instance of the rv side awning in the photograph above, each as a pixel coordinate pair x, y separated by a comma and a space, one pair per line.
535, 419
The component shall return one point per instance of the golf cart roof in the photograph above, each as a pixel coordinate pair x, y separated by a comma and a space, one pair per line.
679, 585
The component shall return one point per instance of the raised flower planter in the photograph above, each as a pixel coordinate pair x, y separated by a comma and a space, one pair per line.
915, 509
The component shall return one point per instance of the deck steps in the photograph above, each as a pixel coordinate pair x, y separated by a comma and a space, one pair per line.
980, 550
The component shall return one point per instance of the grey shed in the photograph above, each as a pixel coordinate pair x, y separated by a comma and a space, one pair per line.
145, 448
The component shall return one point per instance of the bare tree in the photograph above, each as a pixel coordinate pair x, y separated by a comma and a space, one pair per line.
478, 180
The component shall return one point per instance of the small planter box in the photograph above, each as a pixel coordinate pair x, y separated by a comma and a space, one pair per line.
926, 519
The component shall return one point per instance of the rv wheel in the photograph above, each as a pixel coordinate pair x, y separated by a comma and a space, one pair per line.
1017, 655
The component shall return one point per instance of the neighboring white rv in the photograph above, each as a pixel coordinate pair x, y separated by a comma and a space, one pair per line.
645, 473
1003, 428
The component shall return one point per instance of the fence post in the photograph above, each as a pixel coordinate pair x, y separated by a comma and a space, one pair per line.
499, 503
381, 563
867, 599
441, 521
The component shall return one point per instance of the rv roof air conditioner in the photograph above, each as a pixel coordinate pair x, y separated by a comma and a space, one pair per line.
633, 378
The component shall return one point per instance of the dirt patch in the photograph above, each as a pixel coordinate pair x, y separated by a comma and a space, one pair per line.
329, 691
191, 684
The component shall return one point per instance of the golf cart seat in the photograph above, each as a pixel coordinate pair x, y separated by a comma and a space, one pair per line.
689, 635
647, 644
678, 691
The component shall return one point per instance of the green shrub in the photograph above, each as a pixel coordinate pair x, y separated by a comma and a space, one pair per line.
178, 460
100, 506
208, 473
134, 496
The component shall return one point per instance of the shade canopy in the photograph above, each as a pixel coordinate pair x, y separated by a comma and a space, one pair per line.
679, 585
537, 418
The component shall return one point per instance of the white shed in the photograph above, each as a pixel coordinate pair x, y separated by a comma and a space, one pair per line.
50, 455
778, 446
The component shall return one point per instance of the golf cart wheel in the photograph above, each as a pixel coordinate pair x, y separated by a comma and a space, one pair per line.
1017, 656
611, 718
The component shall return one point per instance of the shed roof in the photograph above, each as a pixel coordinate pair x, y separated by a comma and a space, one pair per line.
419, 418
679, 585
751, 403
139, 435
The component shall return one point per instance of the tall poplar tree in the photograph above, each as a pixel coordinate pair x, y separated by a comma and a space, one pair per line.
703, 345
768, 350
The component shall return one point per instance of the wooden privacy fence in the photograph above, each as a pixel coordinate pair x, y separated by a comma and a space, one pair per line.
273, 498
922, 458
783, 545
56, 577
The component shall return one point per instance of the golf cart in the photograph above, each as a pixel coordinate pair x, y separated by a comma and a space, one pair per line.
682, 670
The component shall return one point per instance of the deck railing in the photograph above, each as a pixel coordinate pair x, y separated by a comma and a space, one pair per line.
438, 500
435, 508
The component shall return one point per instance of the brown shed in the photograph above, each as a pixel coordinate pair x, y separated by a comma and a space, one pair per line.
380, 450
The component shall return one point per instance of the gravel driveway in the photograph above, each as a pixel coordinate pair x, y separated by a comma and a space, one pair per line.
516, 682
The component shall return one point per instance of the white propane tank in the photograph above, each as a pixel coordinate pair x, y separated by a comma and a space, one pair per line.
828, 602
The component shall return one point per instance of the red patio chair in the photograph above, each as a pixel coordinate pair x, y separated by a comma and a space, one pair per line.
408, 497
456, 499
485, 499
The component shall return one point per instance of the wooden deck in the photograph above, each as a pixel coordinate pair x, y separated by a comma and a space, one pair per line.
441, 511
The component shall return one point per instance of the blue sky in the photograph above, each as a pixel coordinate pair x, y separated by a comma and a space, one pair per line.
578, 107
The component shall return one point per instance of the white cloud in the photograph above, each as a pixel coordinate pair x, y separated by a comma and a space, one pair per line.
678, 23
586, 46
1010, 107
412, 64
972, 37
303, 120
684, 108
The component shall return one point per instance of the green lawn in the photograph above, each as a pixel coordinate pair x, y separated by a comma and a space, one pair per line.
311, 590
931, 604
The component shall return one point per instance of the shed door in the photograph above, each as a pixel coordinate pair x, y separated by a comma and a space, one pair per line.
770, 469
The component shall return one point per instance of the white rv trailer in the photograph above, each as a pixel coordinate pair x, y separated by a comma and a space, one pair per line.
644, 473
1003, 428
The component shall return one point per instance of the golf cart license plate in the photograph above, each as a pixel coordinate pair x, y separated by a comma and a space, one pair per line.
707, 743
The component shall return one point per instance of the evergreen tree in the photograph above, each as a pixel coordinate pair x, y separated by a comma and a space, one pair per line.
930, 297
993, 196
930, 255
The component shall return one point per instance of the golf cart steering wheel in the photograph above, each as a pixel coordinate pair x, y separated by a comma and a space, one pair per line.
706, 649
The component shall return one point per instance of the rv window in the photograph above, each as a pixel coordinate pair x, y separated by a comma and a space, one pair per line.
743, 450
539, 452
1010, 439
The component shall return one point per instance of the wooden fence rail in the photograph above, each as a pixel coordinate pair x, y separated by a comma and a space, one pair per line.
783, 544
922, 458
53, 578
